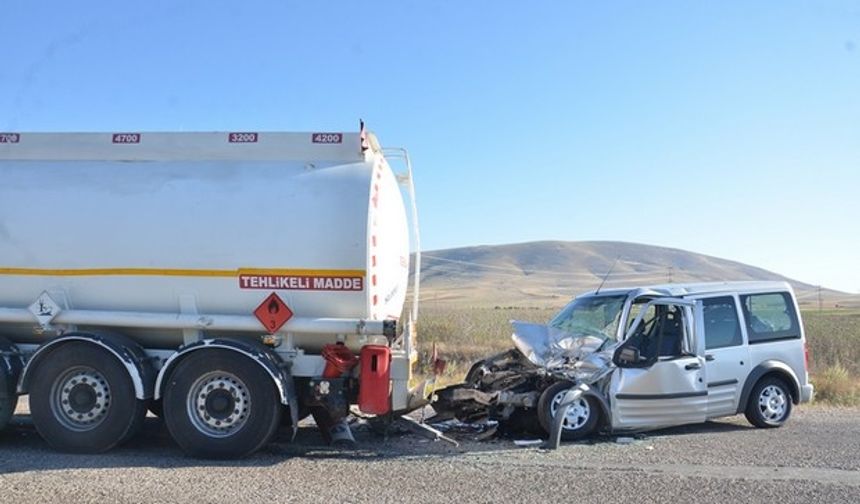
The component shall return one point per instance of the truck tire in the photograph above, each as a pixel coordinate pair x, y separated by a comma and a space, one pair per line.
769, 404
219, 404
582, 417
82, 399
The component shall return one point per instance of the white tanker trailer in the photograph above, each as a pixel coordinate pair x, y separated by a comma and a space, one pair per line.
221, 280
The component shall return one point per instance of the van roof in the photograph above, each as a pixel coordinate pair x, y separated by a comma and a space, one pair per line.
687, 289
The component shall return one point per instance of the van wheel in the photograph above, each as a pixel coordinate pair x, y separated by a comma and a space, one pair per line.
474, 374
582, 416
769, 403
82, 400
218, 404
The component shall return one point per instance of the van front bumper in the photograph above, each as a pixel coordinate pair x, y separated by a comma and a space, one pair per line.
807, 392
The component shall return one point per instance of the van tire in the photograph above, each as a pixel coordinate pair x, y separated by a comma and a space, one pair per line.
589, 407
238, 410
82, 400
769, 404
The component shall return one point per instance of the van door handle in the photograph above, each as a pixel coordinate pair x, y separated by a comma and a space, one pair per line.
709, 357
693, 365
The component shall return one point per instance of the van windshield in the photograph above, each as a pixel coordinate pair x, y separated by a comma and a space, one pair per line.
591, 316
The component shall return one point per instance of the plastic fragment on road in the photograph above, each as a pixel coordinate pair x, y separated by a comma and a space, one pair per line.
525, 443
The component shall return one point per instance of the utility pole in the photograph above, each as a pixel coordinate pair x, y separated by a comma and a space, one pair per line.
671, 273
819, 300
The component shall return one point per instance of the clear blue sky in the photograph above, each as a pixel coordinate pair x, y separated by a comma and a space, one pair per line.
727, 128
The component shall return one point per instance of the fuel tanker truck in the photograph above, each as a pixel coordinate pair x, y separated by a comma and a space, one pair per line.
230, 283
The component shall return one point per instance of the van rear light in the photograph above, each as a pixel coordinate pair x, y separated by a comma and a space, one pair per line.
805, 356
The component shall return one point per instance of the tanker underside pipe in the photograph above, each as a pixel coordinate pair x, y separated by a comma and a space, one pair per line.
156, 320
335, 431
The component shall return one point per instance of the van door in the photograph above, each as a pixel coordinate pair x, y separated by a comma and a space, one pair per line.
661, 377
726, 356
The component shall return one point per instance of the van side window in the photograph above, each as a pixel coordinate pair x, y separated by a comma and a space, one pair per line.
770, 317
722, 328
660, 334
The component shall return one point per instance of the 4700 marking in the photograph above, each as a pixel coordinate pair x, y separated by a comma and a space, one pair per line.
126, 138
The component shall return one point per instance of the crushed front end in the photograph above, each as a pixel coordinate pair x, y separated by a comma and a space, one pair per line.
575, 348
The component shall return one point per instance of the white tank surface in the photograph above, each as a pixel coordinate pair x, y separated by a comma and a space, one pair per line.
200, 223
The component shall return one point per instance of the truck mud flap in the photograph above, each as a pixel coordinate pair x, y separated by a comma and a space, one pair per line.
11, 365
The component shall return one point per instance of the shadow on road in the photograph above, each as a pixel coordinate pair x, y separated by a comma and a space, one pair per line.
710, 427
22, 449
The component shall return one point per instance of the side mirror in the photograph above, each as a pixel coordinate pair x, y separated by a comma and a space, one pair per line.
627, 356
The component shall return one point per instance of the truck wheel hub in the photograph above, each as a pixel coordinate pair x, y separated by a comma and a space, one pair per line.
218, 404
81, 398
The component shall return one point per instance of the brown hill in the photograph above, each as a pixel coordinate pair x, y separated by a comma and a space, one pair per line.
551, 272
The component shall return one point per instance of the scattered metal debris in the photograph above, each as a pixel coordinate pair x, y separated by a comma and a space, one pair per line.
423, 429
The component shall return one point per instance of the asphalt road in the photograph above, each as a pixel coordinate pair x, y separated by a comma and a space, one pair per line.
814, 458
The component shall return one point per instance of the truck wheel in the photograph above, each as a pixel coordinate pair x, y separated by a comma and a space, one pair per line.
82, 400
218, 404
582, 416
769, 403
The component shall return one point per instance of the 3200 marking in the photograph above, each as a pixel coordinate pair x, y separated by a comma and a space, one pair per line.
242, 138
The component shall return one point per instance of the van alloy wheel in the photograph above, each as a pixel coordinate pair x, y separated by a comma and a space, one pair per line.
582, 417
771, 403
577, 414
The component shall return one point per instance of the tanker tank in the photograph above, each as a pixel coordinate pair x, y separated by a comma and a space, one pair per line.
208, 223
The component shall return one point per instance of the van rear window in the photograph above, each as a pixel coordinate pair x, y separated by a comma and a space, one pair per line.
770, 317
722, 328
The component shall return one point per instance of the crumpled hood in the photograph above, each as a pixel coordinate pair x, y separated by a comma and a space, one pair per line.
561, 351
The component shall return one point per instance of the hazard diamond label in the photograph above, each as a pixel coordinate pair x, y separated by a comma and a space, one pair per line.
273, 313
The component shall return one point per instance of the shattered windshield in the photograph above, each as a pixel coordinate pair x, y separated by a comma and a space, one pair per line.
591, 316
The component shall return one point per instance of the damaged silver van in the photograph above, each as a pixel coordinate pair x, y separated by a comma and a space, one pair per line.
646, 358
